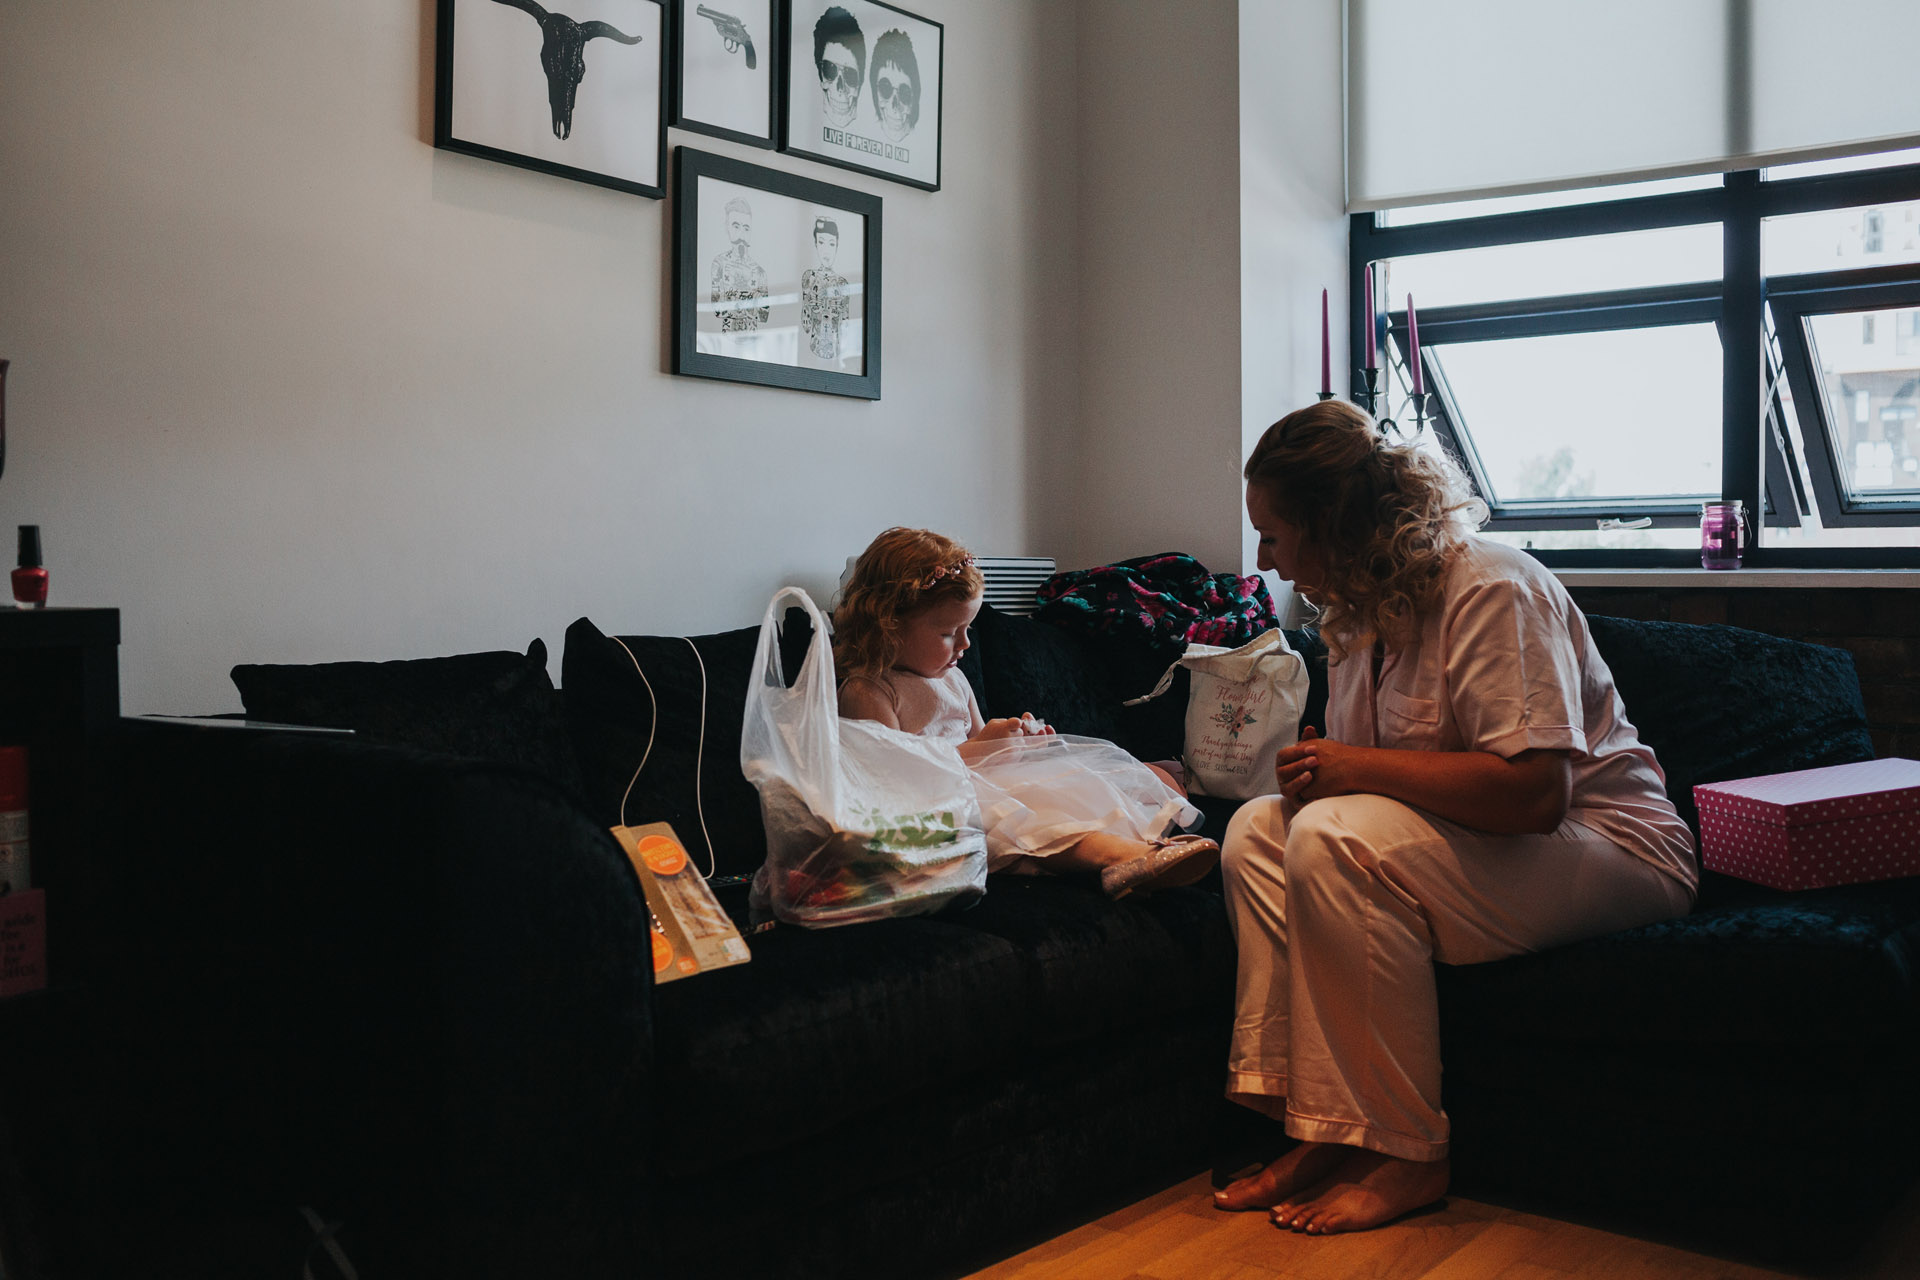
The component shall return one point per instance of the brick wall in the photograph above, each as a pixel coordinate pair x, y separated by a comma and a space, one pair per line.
1880, 626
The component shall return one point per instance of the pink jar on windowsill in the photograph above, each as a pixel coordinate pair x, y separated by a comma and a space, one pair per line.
1724, 534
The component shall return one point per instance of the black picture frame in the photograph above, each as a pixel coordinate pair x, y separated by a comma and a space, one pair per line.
744, 309
819, 123
493, 97
726, 58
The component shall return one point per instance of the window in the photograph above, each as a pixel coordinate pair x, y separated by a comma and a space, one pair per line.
1602, 366
1836, 239
1545, 431
1628, 259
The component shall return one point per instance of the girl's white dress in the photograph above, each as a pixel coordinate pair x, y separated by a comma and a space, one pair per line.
1038, 795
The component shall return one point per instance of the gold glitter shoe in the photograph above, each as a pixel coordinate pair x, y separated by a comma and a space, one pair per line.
1169, 864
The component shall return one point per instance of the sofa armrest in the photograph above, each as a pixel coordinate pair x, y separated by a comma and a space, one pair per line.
413, 988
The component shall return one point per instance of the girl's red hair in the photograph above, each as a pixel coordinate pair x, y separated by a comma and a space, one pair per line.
902, 572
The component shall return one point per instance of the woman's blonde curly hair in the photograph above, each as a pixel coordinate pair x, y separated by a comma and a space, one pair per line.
1386, 518
902, 572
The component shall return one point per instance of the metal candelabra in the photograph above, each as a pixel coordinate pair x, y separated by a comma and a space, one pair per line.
1373, 396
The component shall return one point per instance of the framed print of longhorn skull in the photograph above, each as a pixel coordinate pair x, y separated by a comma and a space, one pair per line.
863, 88
579, 94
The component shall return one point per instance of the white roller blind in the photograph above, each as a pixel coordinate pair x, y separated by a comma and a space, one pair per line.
1456, 99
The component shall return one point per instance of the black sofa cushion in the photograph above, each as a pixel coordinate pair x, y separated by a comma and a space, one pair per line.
826, 1025
1745, 1044
1826, 967
1717, 702
1026, 665
610, 716
823, 1023
618, 727
1093, 969
499, 706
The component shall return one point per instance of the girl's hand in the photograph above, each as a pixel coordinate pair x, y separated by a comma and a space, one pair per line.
1025, 725
993, 730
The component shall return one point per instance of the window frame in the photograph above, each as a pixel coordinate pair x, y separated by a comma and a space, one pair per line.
1794, 299
1757, 463
1657, 307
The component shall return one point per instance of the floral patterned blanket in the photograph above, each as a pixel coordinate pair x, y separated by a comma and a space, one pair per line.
1167, 600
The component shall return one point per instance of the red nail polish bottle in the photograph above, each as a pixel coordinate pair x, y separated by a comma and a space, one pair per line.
30, 579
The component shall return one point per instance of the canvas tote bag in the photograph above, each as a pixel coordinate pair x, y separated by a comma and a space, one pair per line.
863, 821
1243, 706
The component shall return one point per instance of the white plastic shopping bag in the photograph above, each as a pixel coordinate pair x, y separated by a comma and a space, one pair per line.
1243, 706
862, 821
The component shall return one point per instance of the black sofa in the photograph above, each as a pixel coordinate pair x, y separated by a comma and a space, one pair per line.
397, 984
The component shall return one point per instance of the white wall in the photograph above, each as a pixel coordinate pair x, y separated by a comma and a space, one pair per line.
1157, 460
1211, 215
1293, 227
290, 385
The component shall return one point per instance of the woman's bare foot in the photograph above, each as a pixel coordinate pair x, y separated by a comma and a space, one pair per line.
1302, 1167
1366, 1189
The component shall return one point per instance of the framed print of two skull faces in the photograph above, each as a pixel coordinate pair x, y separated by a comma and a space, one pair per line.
863, 88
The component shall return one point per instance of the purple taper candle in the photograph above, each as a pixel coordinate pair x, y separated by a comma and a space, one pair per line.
1373, 358
1413, 347
1326, 350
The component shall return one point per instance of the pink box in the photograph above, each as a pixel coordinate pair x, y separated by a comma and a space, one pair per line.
1844, 824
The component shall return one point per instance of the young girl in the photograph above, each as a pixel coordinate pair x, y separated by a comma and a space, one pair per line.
1048, 801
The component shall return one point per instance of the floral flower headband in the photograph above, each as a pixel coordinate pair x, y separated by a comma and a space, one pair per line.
946, 571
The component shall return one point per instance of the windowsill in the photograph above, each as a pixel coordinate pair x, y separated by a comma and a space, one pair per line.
1729, 578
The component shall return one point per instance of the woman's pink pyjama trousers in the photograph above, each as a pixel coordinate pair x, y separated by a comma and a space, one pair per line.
1340, 915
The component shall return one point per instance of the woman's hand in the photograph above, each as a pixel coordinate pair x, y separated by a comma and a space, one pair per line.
1294, 767
1334, 768
1316, 767
1528, 792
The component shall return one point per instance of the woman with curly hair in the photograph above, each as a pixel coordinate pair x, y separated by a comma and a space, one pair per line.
1478, 793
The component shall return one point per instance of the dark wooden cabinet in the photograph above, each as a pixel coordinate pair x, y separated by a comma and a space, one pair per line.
60, 698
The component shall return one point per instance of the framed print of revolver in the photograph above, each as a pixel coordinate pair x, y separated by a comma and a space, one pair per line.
724, 58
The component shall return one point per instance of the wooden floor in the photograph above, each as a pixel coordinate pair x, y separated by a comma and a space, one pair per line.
1178, 1235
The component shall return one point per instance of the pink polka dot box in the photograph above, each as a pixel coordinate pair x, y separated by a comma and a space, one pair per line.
1844, 824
